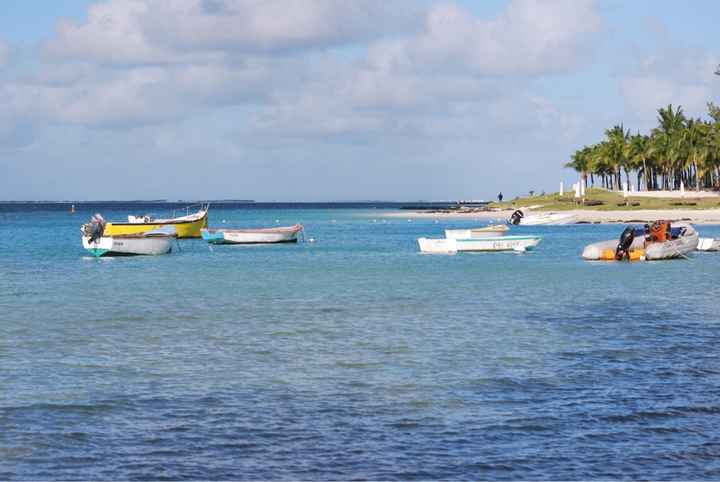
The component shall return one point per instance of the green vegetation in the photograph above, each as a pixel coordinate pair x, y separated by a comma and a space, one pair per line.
677, 150
604, 200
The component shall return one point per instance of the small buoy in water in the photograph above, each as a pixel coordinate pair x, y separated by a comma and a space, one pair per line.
72, 209
277, 221
224, 221
311, 240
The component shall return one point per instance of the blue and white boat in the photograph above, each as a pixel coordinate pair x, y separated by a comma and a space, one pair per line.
284, 234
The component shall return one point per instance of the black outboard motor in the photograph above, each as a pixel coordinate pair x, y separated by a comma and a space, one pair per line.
626, 240
516, 217
96, 228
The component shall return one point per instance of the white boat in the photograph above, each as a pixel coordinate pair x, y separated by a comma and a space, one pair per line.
154, 242
188, 218
285, 234
657, 241
490, 243
474, 233
708, 244
519, 217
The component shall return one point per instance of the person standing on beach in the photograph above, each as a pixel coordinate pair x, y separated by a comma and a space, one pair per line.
500, 196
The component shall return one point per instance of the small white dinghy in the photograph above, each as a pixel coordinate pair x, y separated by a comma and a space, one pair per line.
285, 234
519, 217
154, 242
708, 244
657, 241
475, 233
492, 243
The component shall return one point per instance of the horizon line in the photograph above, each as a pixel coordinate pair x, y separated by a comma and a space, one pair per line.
236, 201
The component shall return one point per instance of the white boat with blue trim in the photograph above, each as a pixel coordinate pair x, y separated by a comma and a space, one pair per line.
282, 234
490, 243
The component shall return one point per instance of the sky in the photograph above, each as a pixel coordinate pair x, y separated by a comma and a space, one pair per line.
319, 100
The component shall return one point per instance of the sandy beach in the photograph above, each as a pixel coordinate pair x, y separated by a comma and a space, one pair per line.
695, 216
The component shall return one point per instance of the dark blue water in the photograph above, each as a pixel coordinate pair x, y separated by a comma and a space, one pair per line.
353, 357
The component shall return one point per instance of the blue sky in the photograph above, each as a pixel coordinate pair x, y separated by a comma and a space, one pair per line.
332, 100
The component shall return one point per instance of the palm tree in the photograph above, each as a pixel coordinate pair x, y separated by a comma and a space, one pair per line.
580, 162
678, 150
639, 151
600, 164
668, 143
616, 151
713, 111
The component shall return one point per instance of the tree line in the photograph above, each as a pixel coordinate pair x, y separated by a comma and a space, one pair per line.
679, 149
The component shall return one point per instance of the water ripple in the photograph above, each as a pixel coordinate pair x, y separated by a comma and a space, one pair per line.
353, 359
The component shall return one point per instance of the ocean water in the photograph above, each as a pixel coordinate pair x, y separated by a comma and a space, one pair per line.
353, 357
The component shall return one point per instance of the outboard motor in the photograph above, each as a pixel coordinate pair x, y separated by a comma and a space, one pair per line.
626, 240
95, 228
516, 217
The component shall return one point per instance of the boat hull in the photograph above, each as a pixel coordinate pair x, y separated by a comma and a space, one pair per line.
605, 250
476, 233
492, 243
287, 234
708, 244
128, 245
543, 219
184, 229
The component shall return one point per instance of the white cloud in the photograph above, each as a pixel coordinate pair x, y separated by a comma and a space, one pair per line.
167, 31
142, 61
678, 76
272, 25
530, 37
303, 79
110, 35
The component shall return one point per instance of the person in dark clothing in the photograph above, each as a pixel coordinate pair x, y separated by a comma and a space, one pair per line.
500, 197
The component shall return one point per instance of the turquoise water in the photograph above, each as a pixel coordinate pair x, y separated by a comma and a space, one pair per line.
353, 357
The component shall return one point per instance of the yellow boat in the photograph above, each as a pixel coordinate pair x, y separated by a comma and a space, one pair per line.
188, 226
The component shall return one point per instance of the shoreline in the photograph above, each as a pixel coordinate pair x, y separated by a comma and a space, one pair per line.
582, 216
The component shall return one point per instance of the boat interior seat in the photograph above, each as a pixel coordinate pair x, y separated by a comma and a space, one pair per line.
676, 232
645, 232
